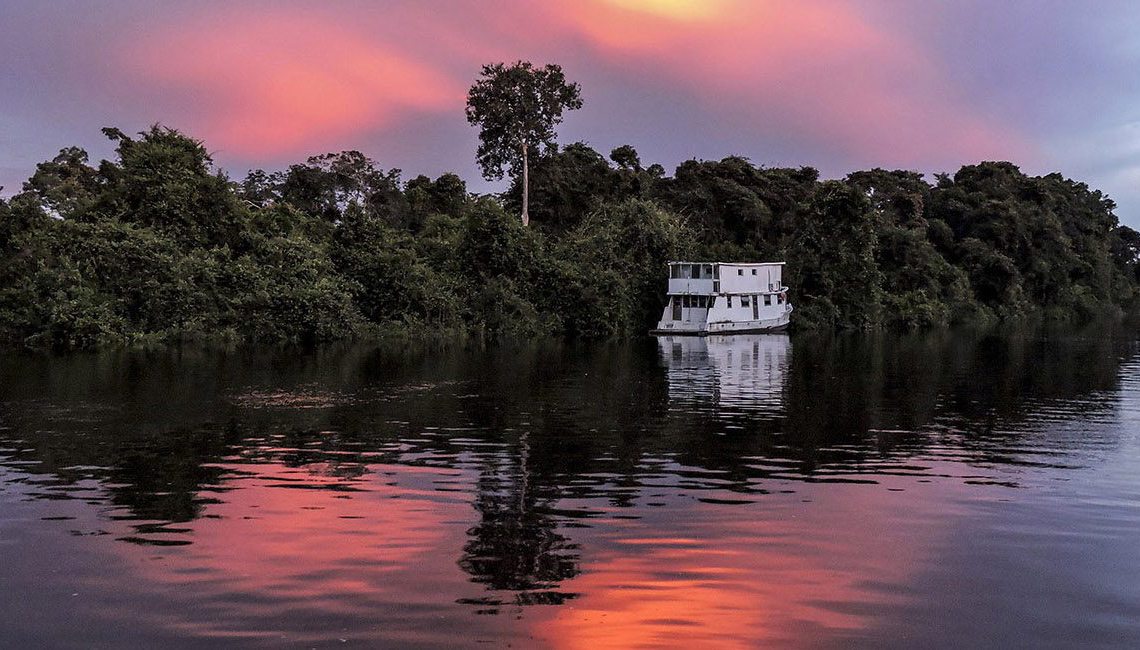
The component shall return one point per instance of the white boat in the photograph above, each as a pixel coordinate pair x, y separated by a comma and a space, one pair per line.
725, 298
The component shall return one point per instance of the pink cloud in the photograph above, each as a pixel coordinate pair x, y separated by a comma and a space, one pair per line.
818, 70
273, 81
269, 82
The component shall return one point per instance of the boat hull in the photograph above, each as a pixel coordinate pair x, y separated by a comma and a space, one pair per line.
723, 327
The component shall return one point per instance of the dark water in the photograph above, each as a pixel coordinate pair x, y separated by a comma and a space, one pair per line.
938, 490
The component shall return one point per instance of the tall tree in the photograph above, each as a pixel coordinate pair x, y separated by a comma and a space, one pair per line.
517, 108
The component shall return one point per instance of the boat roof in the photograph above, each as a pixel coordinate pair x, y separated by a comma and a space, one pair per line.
733, 263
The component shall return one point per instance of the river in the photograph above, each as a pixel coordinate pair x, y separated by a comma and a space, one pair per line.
946, 489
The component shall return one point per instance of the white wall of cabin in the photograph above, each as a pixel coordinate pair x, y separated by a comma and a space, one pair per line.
747, 279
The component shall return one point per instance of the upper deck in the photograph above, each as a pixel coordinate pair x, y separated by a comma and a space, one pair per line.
711, 278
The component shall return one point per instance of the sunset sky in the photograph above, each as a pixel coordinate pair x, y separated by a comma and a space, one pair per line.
840, 86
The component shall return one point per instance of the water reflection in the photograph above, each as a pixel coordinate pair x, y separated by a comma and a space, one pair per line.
744, 371
516, 546
734, 490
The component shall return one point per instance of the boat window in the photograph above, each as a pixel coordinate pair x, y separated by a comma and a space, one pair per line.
740, 271
716, 272
716, 286
708, 272
767, 300
712, 301
753, 271
743, 301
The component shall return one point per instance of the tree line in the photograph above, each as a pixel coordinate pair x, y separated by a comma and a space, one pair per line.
158, 245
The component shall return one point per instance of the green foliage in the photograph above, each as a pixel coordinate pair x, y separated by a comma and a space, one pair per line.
516, 108
164, 181
65, 184
158, 245
613, 267
743, 211
326, 186
626, 158
832, 259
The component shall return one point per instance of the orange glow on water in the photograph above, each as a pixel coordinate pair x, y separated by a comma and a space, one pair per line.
289, 536
793, 571
781, 578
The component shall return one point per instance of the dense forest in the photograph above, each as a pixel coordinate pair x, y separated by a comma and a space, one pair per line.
159, 245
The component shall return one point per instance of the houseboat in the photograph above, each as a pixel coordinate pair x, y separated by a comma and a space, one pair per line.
725, 298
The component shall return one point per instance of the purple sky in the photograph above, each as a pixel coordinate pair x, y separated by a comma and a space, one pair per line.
1050, 85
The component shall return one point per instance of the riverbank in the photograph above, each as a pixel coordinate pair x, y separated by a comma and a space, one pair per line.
159, 246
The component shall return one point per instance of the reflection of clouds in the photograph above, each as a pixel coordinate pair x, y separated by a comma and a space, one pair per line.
744, 370
787, 574
291, 540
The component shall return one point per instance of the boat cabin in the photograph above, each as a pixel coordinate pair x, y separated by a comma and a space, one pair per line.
723, 297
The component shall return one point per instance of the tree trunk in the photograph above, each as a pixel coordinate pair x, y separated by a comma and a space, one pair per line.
526, 188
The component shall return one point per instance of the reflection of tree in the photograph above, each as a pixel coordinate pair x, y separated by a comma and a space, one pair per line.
516, 546
544, 424
558, 414
843, 391
157, 430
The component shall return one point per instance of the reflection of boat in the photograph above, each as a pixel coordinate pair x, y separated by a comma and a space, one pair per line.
719, 297
732, 370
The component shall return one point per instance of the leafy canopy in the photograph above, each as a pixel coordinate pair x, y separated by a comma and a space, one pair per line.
517, 108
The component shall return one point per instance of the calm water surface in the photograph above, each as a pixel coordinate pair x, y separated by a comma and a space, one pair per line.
937, 490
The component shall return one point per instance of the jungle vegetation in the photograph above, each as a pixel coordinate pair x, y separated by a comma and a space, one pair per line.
159, 245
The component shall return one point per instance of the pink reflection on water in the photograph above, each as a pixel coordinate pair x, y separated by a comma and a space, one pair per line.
307, 544
291, 556
780, 573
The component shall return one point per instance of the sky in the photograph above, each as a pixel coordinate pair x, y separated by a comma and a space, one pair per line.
837, 85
